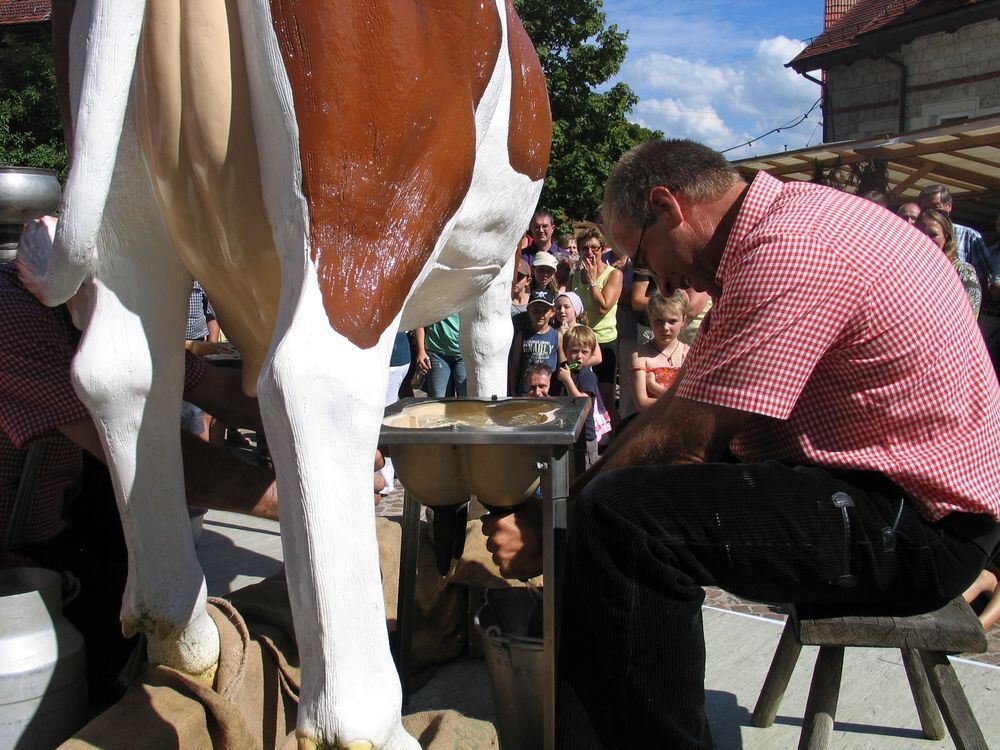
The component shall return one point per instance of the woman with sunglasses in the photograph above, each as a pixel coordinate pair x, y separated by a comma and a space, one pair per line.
599, 286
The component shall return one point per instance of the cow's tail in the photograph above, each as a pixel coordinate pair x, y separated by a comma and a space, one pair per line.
109, 63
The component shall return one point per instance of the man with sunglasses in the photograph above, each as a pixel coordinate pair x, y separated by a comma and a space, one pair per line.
813, 449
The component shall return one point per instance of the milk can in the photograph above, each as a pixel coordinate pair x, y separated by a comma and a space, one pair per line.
43, 687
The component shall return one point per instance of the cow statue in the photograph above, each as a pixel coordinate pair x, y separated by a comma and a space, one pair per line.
330, 171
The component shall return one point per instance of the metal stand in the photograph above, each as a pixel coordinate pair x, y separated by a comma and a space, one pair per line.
555, 494
558, 440
405, 602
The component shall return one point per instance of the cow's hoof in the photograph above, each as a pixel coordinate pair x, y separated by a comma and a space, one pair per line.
194, 650
307, 743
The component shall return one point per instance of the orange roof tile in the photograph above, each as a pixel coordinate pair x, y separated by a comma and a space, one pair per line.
16, 12
868, 17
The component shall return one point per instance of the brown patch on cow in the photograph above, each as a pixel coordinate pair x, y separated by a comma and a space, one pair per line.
385, 96
530, 136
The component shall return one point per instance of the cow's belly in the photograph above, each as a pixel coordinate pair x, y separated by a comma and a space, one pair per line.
197, 135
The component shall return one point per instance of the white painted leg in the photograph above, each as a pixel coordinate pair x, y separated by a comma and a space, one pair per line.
321, 400
486, 336
129, 373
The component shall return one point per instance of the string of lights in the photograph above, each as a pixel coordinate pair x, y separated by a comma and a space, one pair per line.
788, 126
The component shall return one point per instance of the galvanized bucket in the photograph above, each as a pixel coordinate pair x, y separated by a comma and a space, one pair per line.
43, 683
510, 625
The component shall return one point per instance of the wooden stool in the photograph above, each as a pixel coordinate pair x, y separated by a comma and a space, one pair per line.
924, 640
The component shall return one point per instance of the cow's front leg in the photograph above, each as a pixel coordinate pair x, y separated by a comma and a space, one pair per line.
129, 373
322, 400
486, 335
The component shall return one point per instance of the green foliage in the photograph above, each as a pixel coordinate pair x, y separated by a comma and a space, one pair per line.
579, 54
30, 128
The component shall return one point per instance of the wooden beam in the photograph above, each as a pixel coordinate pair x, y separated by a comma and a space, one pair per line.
940, 147
850, 157
916, 175
972, 180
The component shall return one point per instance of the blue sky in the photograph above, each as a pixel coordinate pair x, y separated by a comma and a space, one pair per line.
713, 70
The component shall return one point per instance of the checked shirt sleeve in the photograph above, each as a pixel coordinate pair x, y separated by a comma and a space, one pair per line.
782, 307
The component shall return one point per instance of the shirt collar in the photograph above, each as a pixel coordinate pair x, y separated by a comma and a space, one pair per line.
763, 192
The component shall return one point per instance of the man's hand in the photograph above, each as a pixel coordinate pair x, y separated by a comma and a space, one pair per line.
33, 251
515, 540
379, 482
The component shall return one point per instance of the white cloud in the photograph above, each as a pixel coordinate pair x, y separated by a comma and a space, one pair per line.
699, 122
724, 103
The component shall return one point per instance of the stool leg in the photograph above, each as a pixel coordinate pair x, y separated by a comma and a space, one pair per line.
821, 707
923, 698
962, 724
782, 666
406, 598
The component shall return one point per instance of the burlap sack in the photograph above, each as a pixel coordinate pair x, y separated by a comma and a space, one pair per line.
255, 696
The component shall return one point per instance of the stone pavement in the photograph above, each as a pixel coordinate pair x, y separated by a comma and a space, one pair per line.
875, 709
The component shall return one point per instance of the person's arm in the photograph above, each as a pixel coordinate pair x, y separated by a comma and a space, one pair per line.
213, 477
640, 294
220, 393
423, 362
606, 298
566, 378
654, 389
637, 381
514, 369
674, 430
560, 356
596, 357
214, 332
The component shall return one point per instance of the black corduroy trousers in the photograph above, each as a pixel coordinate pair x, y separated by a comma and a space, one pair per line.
644, 540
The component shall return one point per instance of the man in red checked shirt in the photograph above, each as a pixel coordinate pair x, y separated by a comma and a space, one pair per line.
834, 437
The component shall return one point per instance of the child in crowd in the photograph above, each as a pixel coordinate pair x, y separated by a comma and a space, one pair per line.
537, 381
568, 244
578, 379
656, 363
570, 313
543, 271
564, 273
539, 343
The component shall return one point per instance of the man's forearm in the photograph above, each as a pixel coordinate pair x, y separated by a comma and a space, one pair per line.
216, 479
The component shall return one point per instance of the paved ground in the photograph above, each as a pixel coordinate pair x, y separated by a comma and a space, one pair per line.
875, 708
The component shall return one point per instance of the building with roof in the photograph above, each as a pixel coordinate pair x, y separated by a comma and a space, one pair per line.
893, 66
911, 98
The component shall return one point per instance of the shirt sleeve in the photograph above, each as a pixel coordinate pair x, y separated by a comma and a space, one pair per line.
194, 370
587, 381
36, 351
776, 318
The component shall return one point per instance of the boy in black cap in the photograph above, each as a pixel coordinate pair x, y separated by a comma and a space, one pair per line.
539, 343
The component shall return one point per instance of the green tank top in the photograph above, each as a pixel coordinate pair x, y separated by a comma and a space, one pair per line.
605, 327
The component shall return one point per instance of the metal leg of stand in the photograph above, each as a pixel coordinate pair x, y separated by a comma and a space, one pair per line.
555, 491
405, 604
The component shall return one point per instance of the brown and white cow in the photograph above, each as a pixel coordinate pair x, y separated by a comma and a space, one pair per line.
329, 170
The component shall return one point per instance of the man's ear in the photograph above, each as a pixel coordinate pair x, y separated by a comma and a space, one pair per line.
666, 206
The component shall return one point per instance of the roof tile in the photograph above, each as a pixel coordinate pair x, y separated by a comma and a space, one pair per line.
873, 15
16, 12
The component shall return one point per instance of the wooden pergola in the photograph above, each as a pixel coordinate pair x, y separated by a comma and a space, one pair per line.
964, 156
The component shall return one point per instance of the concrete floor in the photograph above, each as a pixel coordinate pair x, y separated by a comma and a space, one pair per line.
875, 708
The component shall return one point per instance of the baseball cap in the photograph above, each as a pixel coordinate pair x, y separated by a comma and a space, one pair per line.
543, 258
542, 295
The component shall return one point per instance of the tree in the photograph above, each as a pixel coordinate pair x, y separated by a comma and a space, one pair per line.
580, 53
30, 128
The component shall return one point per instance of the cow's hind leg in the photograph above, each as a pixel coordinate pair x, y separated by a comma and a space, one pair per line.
129, 373
322, 400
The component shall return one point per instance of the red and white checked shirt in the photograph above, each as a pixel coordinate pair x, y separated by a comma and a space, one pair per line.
849, 333
36, 397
